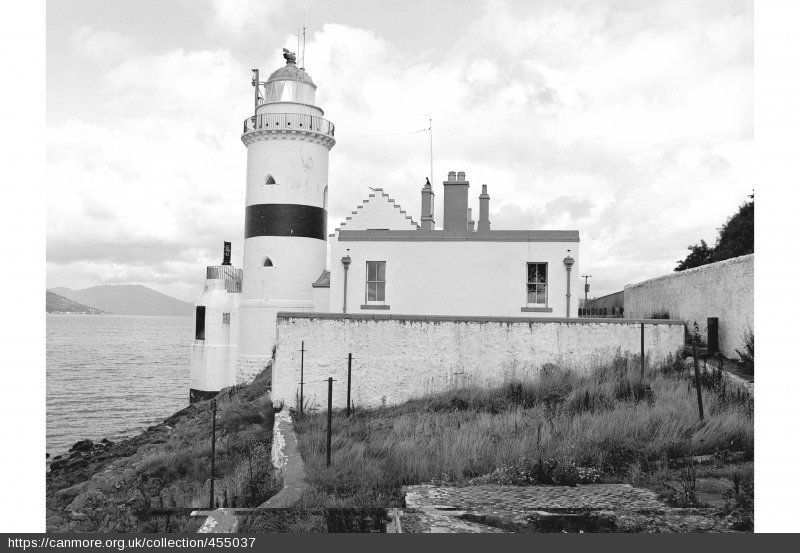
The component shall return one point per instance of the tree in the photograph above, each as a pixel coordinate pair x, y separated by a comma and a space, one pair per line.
736, 235
699, 254
734, 238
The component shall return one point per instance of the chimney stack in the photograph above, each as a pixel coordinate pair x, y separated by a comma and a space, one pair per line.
427, 207
456, 200
483, 215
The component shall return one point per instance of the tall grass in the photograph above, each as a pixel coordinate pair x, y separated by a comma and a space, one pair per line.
609, 419
243, 470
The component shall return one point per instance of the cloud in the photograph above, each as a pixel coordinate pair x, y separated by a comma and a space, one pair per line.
161, 184
631, 125
101, 45
236, 15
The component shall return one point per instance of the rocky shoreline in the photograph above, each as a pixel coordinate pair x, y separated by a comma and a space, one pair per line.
98, 487
151, 482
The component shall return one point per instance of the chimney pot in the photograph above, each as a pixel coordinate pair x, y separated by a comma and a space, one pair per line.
461, 176
451, 175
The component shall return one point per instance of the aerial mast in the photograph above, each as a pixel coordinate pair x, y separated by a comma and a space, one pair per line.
303, 58
255, 85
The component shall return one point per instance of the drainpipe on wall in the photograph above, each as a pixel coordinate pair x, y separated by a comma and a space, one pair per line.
568, 262
346, 262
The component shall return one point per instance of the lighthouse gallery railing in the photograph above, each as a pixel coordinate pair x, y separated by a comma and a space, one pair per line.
289, 121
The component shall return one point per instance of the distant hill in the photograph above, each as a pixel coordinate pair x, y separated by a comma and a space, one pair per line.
60, 304
127, 299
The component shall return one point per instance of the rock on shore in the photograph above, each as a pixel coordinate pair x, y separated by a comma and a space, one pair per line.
98, 487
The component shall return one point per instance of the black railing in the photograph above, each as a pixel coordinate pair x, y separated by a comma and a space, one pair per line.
288, 121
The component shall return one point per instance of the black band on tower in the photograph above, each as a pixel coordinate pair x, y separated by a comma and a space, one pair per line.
285, 220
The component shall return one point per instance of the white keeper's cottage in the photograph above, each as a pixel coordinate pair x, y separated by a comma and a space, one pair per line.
382, 260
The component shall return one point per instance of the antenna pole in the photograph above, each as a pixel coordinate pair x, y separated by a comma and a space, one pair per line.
303, 63
430, 132
255, 84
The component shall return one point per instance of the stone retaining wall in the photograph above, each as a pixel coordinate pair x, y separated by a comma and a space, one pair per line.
396, 357
723, 289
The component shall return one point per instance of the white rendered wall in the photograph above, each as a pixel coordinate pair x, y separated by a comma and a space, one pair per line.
723, 289
458, 277
300, 169
213, 359
398, 359
322, 299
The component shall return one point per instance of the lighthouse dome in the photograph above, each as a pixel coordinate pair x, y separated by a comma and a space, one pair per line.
290, 84
290, 72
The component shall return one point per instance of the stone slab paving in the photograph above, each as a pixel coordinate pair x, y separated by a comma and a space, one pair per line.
495, 508
518, 499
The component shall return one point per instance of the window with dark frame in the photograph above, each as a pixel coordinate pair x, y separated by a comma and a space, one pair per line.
537, 284
200, 323
376, 281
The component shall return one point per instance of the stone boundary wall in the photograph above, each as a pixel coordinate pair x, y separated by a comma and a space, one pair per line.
400, 357
723, 289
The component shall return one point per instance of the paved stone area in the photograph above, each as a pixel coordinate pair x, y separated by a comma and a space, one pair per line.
496, 499
218, 521
591, 508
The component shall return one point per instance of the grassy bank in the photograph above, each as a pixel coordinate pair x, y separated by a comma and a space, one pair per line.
151, 482
563, 427
242, 459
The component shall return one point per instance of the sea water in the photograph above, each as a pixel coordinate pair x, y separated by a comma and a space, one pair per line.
111, 376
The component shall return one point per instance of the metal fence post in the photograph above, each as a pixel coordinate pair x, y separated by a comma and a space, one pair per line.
349, 371
330, 412
642, 348
302, 353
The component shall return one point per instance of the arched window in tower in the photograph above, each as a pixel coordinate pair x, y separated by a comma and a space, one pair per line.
268, 262
269, 180
325, 198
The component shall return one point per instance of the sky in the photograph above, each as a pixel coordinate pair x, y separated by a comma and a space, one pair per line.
629, 121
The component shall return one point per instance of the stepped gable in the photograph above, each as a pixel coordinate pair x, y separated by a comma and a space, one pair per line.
378, 211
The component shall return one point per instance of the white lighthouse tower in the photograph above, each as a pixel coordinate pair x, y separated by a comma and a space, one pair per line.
285, 248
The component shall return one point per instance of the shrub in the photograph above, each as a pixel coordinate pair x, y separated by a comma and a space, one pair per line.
739, 501
526, 472
748, 356
660, 314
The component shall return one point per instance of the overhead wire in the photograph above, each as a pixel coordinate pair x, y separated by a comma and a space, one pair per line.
377, 135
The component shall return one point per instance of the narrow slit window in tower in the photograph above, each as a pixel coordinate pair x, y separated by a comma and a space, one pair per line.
269, 180
268, 262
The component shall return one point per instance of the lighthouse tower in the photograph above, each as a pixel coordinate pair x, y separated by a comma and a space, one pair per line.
285, 248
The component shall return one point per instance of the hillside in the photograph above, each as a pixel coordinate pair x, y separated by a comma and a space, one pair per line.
60, 304
127, 299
